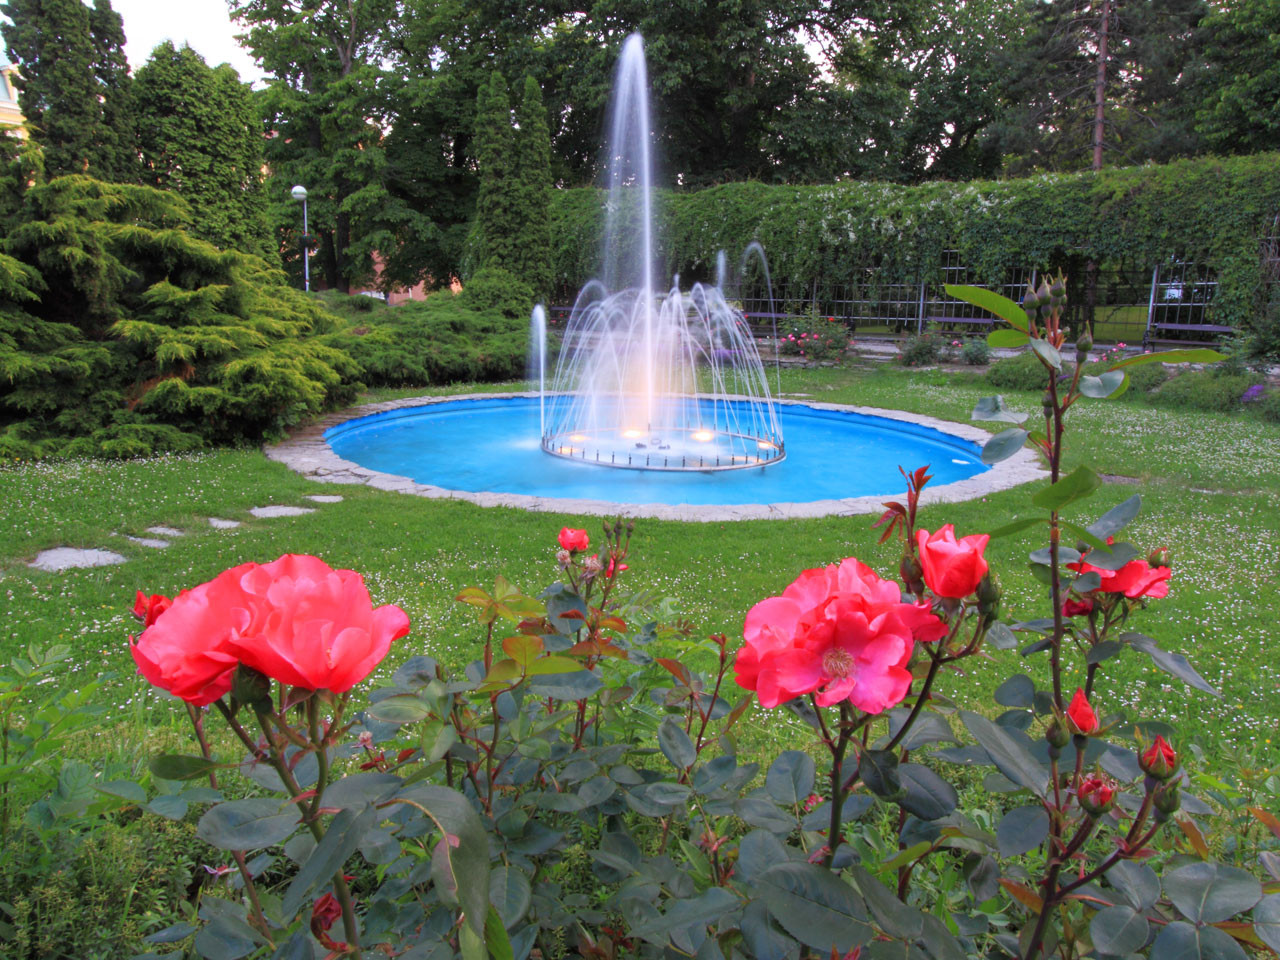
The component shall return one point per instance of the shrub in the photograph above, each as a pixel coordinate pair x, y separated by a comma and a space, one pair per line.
1205, 390
1019, 372
975, 352
1269, 406
435, 341
814, 338
920, 351
493, 288
1143, 379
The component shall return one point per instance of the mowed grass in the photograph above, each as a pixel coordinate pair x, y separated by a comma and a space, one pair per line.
1210, 485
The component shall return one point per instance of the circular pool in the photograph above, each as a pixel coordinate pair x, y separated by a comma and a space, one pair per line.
486, 449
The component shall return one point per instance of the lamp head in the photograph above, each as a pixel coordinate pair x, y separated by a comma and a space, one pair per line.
299, 192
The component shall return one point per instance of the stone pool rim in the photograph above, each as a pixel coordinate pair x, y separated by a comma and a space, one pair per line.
307, 452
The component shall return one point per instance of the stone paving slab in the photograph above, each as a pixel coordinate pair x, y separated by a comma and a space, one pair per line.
218, 523
268, 513
307, 452
152, 542
163, 531
72, 558
324, 498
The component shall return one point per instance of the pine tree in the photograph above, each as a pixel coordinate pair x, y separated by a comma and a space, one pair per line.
200, 136
532, 185
495, 233
74, 85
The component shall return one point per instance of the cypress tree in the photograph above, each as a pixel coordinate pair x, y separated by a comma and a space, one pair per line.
495, 233
532, 185
199, 135
74, 84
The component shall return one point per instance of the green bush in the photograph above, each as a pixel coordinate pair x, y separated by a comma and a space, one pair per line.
493, 288
1205, 390
1143, 379
435, 341
814, 338
94, 895
1023, 371
1269, 406
975, 352
120, 333
922, 350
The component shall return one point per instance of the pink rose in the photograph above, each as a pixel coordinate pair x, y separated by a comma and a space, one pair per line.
313, 626
148, 608
1139, 579
840, 631
952, 568
188, 650
1082, 714
571, 539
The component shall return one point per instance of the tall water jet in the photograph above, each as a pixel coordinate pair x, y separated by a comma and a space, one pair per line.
651, 379
538, 366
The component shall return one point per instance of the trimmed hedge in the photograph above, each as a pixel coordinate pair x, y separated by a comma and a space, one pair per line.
1210, 210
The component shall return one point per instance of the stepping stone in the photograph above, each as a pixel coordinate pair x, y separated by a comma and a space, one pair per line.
154, 544
69, 558
268, 512
324, 497
165, 532
219, 524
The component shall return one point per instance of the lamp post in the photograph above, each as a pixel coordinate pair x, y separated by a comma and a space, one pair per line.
300, 193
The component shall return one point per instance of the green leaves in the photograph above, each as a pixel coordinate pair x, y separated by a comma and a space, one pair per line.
1022, 829
1211, 892
1048, 353
1110, 384
172, 766
247, 824
341, 838
1003, 445
1182, 941
1171, 356
994, 409
676, 745
815, 906
1008, 339
1119, 931
1077, 485
1010, 755
790, 778
1174, 664
1004, 308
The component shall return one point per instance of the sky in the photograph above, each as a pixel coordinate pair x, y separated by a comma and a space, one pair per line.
202, 24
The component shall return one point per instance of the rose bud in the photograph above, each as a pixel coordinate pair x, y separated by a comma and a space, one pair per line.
251, 687
1096, 796
1167, 799
1083, 346
1159, 760
1081, 714
952, 568
911, 573
989, 596
1160, 558
1057, 735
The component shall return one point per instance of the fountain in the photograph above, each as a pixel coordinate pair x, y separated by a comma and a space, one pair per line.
650, 379
666, 381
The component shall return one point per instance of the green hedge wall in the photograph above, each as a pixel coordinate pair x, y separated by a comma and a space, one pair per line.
1210, 210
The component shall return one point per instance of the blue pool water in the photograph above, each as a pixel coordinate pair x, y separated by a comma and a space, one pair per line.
491, 445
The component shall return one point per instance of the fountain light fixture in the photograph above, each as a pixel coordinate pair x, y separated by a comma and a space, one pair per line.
704, 436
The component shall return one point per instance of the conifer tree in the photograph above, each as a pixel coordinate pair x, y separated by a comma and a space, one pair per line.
495, 234
200, 136
532, 186
74, 84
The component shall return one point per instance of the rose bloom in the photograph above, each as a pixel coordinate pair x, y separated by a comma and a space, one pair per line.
148, 608
1081, 713
187, 651
313, 626
952, 568
1135, 579
841, 632
571, 539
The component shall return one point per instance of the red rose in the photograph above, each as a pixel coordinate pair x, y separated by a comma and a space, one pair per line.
325, 912
571, 539
1082, 715
1076, 608
952, 568
148, 608
1159, 760
313, 626
188, 650
1096, 796
1139, 579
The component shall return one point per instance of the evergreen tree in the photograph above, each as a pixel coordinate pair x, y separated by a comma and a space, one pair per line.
74, 84
531, 184
494, 235
200, 136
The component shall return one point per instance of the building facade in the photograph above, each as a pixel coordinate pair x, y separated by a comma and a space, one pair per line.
11, 118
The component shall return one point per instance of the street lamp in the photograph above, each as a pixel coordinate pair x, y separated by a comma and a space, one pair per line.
300, 193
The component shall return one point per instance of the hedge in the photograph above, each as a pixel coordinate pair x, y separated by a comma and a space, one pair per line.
1210, 210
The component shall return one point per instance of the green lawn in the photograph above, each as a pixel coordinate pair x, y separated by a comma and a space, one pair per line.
1210, 483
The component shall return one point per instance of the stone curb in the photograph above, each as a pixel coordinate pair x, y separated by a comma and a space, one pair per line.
307, 452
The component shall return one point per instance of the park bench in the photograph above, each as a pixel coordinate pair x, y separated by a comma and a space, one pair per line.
1214, 330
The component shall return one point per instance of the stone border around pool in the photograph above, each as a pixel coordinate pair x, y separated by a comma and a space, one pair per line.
307, 452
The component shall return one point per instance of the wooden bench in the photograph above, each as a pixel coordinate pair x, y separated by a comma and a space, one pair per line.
1149, 338
971, 321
